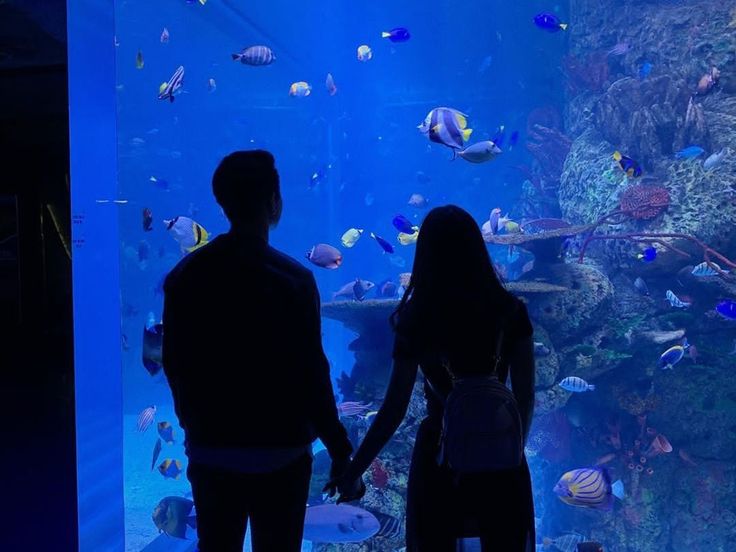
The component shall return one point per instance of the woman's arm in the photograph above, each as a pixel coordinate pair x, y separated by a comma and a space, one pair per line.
521, 366
388, 419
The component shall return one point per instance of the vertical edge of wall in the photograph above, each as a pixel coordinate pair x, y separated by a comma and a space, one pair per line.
95, 266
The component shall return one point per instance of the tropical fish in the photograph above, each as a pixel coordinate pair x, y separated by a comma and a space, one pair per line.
159, 182
189, 234
446, 126
318, 176
509, 226
494, 220
705, 269
166, 432
350, 409
715, 159
146, 418
708, 81
330, 85
387, 289
675, 301
156, 452
147, 220
564, 543
576, 384
255, 55
540, 349
405, 281
170, 469
211, 85
418, 201
589, 488
356, 290
153, 337
387, 247
549, 22
399, 34
647, 255
629, 166
331, 523
165, 36
351, 237
641, 286
498, 137
391, 527
173, 515
403, 224
673, 355
139, 60
479, 152
167, 90
645, 69
300, 89
365, 53
727, 309
409, 239
690, 152
325, 256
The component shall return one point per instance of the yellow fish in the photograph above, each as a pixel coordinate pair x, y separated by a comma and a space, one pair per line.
405, 279
300, 89
409, 239
351, 237
364, 53
139, 60
189, 234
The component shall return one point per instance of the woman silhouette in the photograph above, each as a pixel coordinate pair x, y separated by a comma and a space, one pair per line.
454, 312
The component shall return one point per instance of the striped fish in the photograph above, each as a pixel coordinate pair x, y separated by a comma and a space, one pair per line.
168, 89
187, 232
446, 126
565, 543
352, 408
707, 269
391, 527
255, 55
588, 488
575, 384
146, 418
675, 301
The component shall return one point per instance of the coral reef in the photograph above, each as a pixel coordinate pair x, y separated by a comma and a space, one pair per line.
549, 147
640, 201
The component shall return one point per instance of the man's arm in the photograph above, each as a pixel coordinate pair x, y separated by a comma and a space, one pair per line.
322, 398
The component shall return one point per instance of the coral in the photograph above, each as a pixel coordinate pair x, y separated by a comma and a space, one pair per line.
641, 201
586, 73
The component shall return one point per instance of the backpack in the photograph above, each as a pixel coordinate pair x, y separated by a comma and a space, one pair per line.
481, 425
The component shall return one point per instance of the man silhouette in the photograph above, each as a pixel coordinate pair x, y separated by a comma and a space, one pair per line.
243, 355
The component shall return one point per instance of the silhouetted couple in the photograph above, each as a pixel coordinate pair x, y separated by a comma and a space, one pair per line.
251, 384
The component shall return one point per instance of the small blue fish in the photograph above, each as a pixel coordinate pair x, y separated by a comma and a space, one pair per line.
403, 225
645, 70
690, 152
648, 255
499, 136
549, 22
727, 309
399, 34
166, 432
673, 355
575, 384
387, 247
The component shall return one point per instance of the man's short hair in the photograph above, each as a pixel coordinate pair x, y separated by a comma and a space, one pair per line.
245, 184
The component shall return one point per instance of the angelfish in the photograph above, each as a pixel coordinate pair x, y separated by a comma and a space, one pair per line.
168, 89
188, 233
446, 126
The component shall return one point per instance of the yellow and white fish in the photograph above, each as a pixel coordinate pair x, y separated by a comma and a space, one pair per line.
364, 53
300, 89
188, 233
409, 239
351, 237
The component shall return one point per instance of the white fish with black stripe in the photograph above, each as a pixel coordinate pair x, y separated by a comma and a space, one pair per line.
675, 301
575, 384
706, 269
167, 90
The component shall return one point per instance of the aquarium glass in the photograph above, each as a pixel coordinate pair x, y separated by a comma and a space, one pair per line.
600, 167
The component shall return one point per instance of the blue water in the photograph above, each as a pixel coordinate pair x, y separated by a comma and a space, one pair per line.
486, 59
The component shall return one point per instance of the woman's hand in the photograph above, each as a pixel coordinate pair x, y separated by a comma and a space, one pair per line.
349, 490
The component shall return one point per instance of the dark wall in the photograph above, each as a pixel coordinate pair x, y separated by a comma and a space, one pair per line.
36, 356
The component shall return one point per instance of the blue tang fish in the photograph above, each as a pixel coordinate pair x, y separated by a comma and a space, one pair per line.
387, 247
399, 34
403, 225
673, 355
727, 309
690, 152
549, 22
645, 70
589, 488
648, 255
446, 126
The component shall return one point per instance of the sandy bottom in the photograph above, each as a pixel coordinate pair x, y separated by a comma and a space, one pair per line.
145, 488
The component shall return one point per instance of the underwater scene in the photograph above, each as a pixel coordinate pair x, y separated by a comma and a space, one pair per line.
594, 142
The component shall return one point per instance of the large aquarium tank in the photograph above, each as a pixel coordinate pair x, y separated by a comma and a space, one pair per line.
594, 141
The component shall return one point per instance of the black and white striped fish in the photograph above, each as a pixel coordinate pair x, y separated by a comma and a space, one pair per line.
391, 527
675, 301
255, 55
168, 89
446, 126
705, 269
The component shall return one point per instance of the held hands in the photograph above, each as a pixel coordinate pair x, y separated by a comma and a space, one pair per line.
349, 490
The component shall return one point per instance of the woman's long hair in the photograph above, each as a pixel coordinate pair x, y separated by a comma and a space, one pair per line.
454, 296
